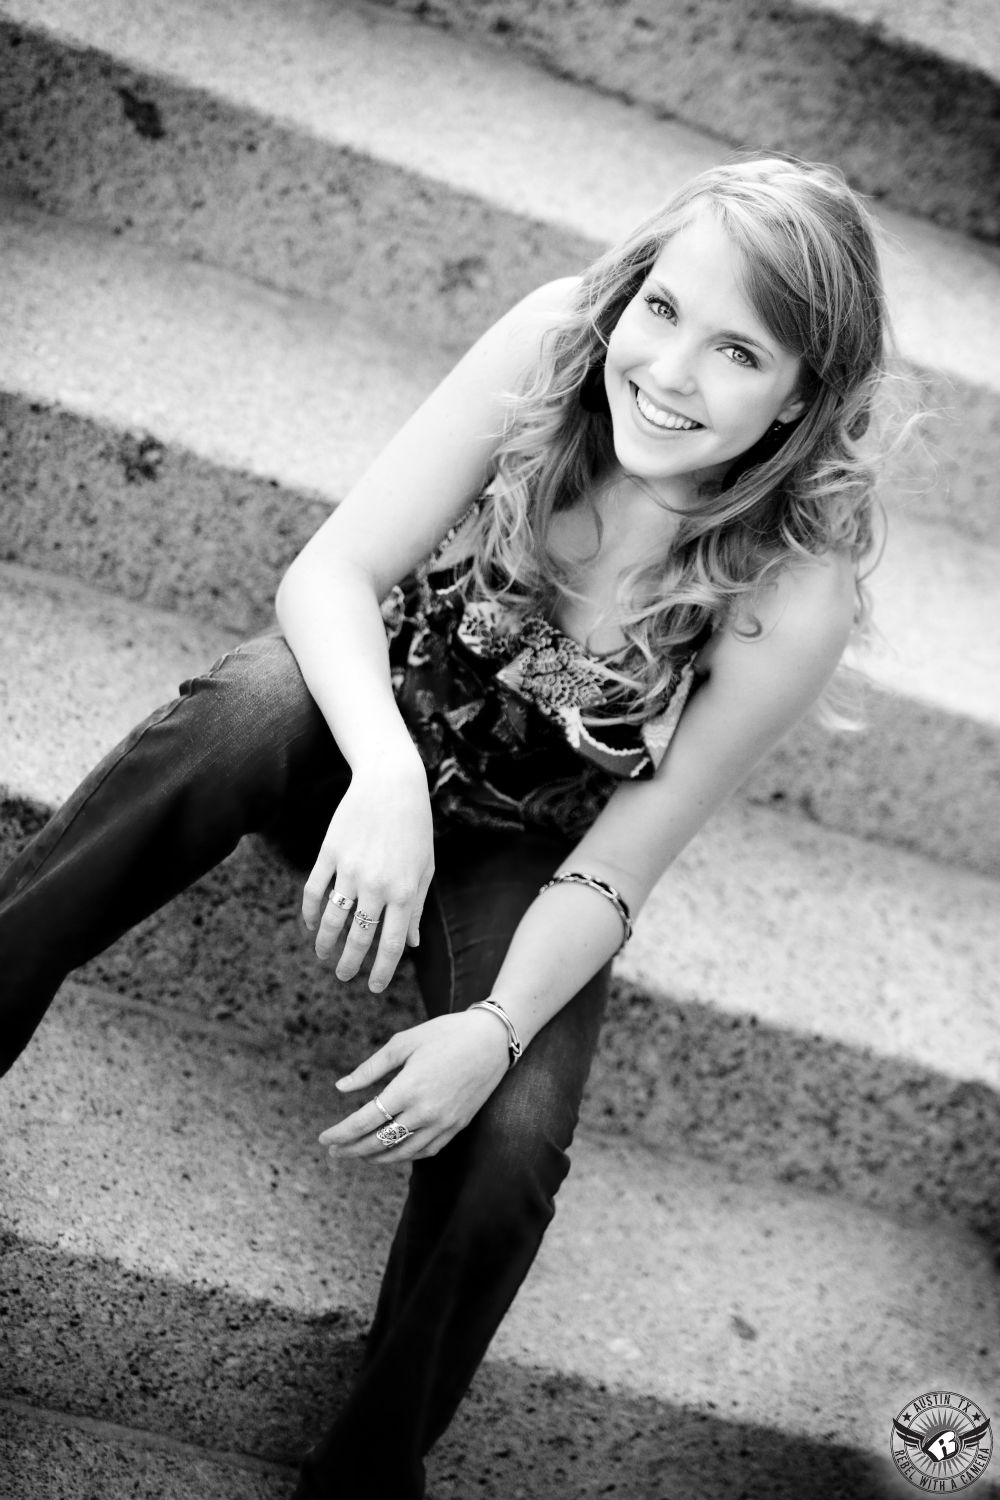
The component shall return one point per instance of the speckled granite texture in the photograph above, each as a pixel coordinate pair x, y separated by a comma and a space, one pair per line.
903, 97
46, 1457
176, 1253
527, 1446
226, 185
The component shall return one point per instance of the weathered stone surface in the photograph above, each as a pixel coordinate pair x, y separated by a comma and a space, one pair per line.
903, 97
303, 203
44, 1455
454, 197
176, 1256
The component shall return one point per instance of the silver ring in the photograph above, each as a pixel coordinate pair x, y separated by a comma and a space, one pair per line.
344, 902
390, 1118
391, 1135
363, 920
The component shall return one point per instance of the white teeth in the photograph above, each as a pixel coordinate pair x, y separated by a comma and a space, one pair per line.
660, 418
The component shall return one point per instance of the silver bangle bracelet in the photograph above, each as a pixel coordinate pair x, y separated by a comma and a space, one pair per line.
494, 1007
576, 877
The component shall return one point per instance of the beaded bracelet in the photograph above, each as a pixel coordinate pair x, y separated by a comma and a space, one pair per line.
576, 877
513, 1040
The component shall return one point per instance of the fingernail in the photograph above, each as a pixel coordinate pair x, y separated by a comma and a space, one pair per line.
342, 1083
375, 985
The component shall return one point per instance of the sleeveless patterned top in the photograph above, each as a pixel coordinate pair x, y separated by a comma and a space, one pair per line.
512, 724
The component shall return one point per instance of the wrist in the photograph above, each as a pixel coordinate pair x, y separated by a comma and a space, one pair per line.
494, 1042
399, 759
493, 1008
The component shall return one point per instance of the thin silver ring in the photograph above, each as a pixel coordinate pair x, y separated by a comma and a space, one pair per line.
391, 1119
363, 920
344, 902
392, 1135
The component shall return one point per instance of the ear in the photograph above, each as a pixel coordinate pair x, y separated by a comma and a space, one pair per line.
792, 410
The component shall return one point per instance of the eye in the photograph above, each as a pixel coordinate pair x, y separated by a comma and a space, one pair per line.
660, 307
742, 357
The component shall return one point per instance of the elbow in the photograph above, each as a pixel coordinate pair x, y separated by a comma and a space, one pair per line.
308, 569
317, 575
298, 582
286, 587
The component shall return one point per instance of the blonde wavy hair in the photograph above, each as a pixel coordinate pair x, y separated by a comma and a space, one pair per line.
811, 273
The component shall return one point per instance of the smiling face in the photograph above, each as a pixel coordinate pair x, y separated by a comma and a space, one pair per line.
693, 377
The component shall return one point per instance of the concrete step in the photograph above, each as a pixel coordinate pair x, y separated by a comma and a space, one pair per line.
347, 154
175, 434
48, 1455
177, 1258
897, 95
794, 999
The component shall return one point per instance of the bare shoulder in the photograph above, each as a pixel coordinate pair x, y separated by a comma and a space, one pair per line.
527, 322
812, 596
552, 298
800, 622
501, 355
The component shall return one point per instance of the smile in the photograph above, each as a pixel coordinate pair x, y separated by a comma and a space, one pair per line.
667, 421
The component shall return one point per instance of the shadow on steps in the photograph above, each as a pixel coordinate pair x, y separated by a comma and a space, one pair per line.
215, 1370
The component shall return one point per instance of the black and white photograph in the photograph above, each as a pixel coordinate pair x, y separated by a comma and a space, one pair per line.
499, 749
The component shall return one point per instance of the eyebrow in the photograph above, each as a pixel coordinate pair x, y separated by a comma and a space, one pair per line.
723, 333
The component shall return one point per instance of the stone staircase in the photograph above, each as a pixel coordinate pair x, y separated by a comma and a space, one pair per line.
239, 244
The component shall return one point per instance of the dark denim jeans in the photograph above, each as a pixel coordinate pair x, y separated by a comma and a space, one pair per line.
245, 749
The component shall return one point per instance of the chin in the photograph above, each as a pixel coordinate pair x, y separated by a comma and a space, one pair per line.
640, 465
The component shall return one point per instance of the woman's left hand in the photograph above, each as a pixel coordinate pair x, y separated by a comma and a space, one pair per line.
445, 1069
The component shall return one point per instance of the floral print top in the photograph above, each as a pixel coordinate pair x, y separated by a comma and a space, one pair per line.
508, 722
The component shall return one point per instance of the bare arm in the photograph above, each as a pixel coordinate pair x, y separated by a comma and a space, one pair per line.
379, 844
757, 689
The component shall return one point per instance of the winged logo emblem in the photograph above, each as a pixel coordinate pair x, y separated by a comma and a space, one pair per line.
941, 1443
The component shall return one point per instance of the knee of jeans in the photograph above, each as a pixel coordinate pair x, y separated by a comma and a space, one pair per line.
258, 679
519, 1165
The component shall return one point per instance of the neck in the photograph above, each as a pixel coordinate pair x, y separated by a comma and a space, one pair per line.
631, 505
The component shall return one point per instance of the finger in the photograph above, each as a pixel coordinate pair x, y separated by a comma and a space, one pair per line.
414, 1148
391, 947
370, 1148
413, 931
422, 1144
357, 1134
316, 887
337, 913
360, 935
357, 1126
388, 1059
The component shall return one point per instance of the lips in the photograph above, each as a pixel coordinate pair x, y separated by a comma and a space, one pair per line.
662, 417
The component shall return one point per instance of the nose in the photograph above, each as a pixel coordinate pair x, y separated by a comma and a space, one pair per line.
672, 366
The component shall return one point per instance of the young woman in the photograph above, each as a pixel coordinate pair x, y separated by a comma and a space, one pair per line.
599, 573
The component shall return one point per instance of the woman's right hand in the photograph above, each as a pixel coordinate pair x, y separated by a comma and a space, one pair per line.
378, 853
